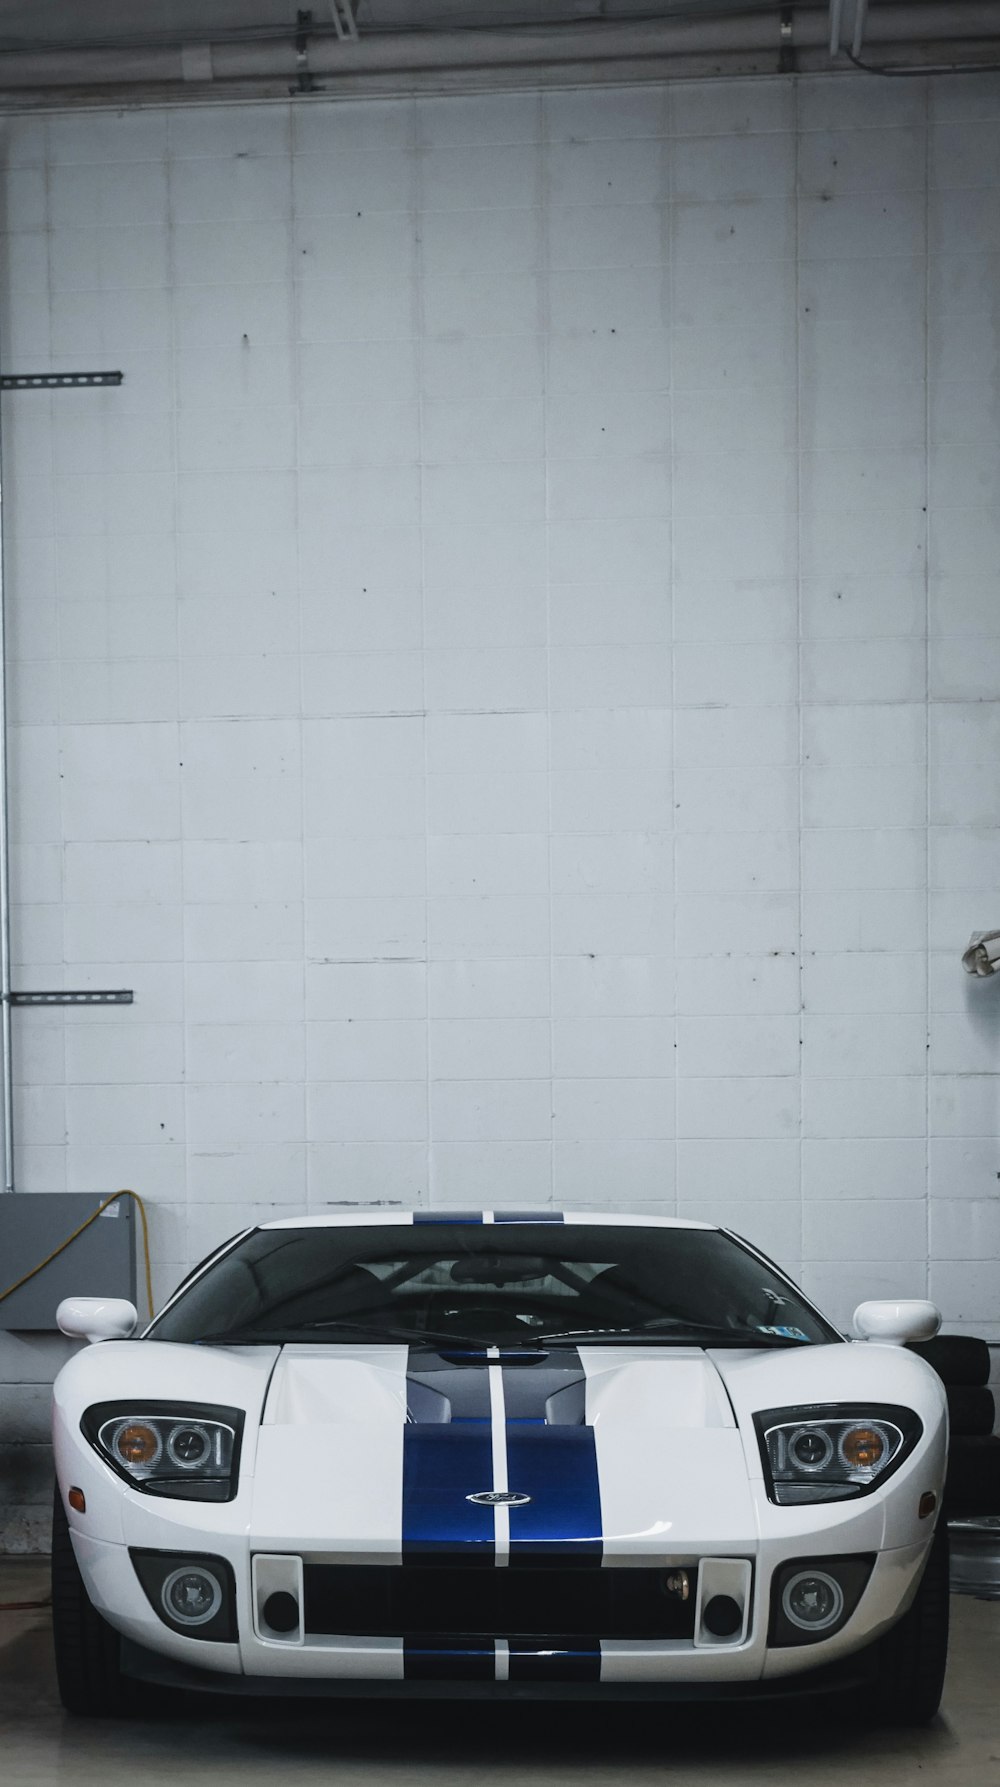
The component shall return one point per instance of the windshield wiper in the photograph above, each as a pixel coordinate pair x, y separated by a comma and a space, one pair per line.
455, 1342
680, 1331
655, 1327
288, 1336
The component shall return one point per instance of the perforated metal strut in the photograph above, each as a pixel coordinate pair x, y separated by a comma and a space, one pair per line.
117, 996
56, 381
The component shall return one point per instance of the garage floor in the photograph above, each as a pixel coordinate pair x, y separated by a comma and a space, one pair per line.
39, 1745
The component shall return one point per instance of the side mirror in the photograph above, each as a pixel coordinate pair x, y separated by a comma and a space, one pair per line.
896, 1323
97, 1318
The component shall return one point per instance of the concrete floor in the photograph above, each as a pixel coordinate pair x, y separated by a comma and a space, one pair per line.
439, 1746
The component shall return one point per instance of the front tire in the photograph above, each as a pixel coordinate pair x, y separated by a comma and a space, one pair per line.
914, 1655
88, 1650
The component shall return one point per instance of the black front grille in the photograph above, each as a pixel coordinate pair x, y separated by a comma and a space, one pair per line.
405, 1600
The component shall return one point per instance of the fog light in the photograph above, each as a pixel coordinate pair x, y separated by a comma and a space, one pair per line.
812, 1600
191, 1595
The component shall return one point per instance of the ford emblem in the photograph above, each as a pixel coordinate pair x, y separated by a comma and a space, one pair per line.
498, 1498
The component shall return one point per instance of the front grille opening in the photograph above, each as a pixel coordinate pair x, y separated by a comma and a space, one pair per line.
407, 1601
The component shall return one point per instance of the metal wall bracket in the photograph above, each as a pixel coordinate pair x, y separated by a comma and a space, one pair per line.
344, 19
786, 52
119, 996
303, 25
57, 381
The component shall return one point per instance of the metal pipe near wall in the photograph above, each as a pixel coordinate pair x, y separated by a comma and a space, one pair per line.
5, 988
607, 45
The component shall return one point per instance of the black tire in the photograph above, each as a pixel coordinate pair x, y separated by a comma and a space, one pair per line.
971, 1411
957, 1358
972, 1485
914, 1655
88, 1651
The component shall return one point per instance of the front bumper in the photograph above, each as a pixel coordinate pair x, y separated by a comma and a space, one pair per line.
849, 1674
556, 1667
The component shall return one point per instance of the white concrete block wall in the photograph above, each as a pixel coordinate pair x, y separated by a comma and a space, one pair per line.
511, 677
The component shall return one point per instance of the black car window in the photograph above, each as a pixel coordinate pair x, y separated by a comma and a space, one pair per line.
510, 1283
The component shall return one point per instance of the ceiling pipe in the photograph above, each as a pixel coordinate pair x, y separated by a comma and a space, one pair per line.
6, 1052
605, 46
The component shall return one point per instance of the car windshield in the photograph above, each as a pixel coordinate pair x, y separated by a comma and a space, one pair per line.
481, 1284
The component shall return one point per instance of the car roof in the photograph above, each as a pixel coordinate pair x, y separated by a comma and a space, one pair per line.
407, 1218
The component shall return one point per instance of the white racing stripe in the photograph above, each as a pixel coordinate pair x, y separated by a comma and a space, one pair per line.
498, 1426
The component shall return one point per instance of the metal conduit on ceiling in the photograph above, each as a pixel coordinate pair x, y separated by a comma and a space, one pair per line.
336, 44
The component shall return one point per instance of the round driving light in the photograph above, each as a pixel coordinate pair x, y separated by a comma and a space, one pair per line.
189, 1446
191, 1595
810, 1449
281, 1611
137, 1444
722, 1616
812, 1600
864, 1448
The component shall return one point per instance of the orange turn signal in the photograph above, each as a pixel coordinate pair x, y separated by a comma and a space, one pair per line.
863, 1447
137, 1444
927, 1504
77, 1500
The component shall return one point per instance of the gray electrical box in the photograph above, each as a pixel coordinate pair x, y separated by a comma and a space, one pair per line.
99, 1263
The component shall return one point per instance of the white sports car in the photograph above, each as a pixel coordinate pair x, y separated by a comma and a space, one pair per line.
504, 1455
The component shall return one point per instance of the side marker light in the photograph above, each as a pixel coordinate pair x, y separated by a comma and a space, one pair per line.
927, 1504
77, 1500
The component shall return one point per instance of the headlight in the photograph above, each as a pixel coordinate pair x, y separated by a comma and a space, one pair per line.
169, 1448
829, 1453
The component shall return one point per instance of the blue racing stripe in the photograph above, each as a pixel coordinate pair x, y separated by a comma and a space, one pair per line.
457, 1659
442, 1465
458, 1216
555, 1660
557, 1467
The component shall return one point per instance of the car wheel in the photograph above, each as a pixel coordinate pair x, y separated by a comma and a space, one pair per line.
88, 1667
913, 1656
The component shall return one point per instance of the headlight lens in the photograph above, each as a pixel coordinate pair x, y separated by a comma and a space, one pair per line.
192, 1596
136, 1445
173, 1449
813, 1600
191, 1593
832, 1452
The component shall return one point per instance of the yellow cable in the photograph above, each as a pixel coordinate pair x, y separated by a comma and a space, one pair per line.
56, 1251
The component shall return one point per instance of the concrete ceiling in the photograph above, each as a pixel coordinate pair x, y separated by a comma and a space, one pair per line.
58, 52
31, 24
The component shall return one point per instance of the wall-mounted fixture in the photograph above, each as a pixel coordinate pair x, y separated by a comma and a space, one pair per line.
983, 954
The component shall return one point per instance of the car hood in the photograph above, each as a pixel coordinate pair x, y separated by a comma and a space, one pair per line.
371, 1452
374, 1452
